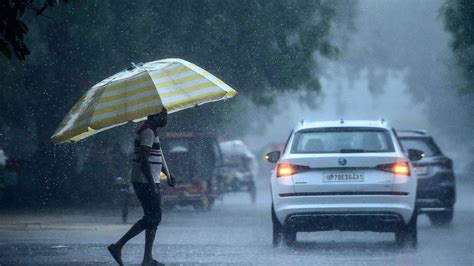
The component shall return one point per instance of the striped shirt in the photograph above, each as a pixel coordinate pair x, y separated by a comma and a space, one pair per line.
147, 137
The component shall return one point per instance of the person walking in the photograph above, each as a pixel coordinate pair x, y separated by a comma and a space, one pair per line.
147, 165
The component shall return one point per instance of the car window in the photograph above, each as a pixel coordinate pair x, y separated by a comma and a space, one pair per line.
287, 141
422, 144
177, 145
342, 140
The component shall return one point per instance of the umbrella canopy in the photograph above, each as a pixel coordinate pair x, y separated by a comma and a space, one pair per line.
140, 91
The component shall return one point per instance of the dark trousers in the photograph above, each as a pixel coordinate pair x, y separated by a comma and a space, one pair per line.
151, 203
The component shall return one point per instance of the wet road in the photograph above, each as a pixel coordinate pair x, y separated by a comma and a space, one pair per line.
233, 232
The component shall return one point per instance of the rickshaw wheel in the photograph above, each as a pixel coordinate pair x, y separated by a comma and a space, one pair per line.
203, 204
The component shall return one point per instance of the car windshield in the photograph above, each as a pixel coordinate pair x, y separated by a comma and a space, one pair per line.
423, 144
181, 153
342, 140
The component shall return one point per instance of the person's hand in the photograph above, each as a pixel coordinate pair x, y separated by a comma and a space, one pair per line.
171, 180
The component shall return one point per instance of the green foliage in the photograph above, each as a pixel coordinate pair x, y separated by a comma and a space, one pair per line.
261, 48
258, 46
459, 21
13, 30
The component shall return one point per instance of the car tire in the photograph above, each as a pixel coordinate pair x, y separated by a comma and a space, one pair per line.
220, 186
442, 218
289, 236
252, 191
277, 229
407, 234
204, 204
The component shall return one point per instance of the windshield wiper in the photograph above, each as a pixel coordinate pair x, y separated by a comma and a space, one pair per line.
351, 150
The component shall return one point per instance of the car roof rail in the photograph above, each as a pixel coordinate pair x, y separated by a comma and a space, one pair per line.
416, 131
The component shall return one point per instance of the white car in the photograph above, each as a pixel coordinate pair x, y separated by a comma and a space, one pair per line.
344, 175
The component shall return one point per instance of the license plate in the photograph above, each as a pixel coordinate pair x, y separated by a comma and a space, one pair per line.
421, 170
343, 177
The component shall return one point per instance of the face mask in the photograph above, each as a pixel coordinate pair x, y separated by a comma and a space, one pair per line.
161, 122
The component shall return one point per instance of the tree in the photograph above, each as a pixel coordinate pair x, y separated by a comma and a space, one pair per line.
13, 30
459, 21
261, 48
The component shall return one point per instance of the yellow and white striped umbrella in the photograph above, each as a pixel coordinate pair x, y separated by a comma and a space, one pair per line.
133, 94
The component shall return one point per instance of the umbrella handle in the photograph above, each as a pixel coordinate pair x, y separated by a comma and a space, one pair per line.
165, 165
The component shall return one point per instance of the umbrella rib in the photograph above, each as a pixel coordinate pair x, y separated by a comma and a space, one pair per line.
131, 95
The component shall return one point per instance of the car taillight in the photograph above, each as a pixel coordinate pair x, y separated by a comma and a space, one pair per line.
398, 168
286, 169
195, 187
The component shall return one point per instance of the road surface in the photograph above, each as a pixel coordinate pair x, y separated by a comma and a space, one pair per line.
234, 231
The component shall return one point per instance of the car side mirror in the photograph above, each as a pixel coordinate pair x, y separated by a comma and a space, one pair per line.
273, 156
415, 155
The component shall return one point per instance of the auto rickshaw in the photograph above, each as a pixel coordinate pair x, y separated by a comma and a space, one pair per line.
195, 160
239, 168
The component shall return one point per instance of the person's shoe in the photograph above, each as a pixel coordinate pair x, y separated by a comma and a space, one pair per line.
116, 252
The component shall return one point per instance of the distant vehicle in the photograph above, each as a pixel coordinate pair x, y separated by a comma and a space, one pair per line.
9, 177
239, 168
3, 163
436, 191
124, 192
344, 175
3, 159
196, 161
